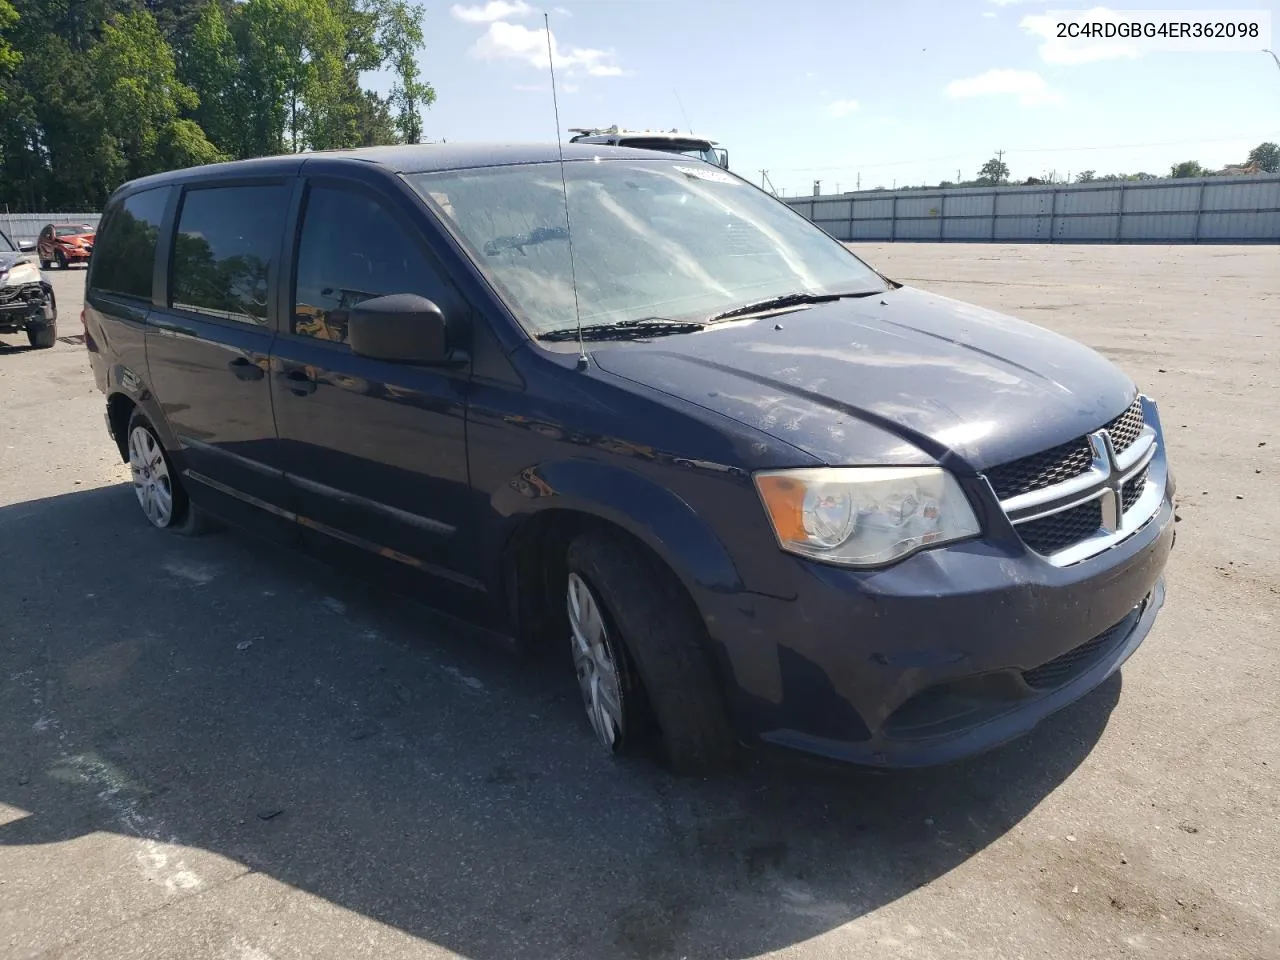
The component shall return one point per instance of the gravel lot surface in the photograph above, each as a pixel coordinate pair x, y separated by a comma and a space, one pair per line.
213, 748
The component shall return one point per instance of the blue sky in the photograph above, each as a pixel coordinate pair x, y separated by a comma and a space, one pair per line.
908, 91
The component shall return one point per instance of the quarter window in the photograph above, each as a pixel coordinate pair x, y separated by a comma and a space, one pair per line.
224, 250
125, 253
351, 250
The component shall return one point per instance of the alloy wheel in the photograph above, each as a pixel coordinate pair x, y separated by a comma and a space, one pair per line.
151, 481
595, 662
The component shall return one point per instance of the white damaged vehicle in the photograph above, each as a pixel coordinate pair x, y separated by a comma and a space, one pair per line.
27, 303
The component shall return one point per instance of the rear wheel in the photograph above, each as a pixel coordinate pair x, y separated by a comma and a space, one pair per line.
44, 264
637, 641
160, 493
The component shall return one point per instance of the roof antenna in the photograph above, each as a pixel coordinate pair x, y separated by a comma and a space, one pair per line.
564, 187
688, 125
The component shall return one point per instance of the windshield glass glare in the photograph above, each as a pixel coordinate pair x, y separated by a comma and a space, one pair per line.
680, 240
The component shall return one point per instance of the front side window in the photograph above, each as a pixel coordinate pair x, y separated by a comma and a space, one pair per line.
125, 255
223, 253
351, 250
79, 231
669, 238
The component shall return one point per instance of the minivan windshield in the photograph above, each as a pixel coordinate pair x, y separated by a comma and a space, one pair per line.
671, 238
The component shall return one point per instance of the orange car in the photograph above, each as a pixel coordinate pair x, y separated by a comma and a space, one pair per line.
64, 244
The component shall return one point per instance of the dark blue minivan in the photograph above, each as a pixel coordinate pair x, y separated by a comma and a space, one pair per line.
632, 405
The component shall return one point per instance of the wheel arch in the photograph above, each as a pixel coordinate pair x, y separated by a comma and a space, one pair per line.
544, 508
125, 393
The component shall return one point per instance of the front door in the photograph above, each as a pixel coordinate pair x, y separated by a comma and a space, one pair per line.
208, 348
375, 452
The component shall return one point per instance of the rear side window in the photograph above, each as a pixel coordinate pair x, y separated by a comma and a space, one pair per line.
124, 256
228, 239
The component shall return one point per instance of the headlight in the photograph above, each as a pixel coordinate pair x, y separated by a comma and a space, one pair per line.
864, 516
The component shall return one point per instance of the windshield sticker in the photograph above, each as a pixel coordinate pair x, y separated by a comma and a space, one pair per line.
716, 176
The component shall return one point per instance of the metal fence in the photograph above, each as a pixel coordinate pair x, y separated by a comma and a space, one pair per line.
27, 226
1209, 210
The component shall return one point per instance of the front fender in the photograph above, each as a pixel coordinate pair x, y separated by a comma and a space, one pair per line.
644, 508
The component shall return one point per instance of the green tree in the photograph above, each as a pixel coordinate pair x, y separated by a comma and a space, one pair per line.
1266, 156
292, 55
993, 173
142, 99
1086, 176
212, 69
1188, 168
9, 57
400, 35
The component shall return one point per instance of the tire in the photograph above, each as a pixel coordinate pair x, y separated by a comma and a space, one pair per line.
154, 474
45, 264
62, 260
659, 645
42, 338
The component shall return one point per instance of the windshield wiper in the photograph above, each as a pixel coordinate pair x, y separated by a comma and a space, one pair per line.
625, 329
786, 300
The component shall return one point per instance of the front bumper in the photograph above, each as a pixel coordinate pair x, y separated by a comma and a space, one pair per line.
24, 306
946, 654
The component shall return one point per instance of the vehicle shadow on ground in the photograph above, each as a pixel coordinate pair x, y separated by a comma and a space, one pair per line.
238, 698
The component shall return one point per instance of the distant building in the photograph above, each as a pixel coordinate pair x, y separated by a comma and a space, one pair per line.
1239, 169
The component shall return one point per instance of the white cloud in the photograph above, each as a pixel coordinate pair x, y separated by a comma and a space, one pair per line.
562, 11
841, 108
511, 41
1008, 3
1066, 50
491, 11
1028, 86
989, 14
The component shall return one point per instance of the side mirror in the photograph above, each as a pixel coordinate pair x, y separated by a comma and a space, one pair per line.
26, 246
724, 158
400, 328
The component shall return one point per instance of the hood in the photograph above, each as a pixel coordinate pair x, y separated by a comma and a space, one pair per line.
903, 377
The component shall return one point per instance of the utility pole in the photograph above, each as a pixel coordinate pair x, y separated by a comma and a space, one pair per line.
1000, 160
763, 176
859, 187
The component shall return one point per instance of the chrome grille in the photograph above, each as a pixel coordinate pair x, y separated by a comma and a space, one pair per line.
1073, 500
1125, 428
1042, 470
1058, 531
1133, 489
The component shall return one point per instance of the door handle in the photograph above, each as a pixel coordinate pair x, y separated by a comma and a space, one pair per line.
298, 382
245, 369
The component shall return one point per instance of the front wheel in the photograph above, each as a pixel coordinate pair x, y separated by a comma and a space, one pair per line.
42, 338
637, 642
160, 493
62, 260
